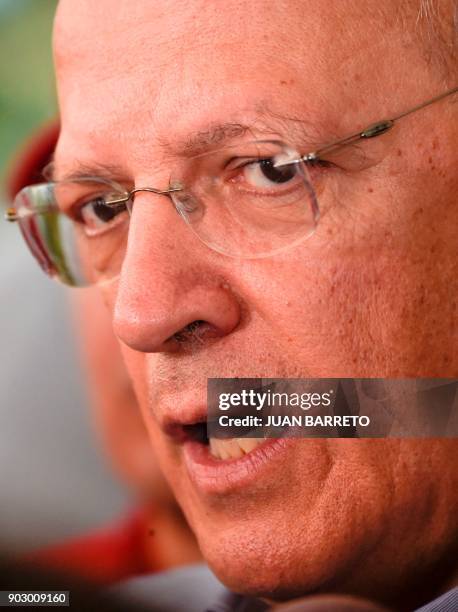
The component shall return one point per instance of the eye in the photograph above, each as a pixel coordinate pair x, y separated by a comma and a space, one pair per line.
98, 212
263, 173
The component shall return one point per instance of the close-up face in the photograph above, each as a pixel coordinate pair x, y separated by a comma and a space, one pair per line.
370, 293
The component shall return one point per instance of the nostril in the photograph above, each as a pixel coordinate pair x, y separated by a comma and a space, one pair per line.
193, 331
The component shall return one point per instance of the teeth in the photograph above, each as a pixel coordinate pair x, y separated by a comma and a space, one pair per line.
233, 448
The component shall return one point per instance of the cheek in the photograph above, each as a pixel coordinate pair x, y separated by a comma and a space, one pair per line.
368, 312
317, 311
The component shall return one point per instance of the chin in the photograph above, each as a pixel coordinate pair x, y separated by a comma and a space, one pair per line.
262, 561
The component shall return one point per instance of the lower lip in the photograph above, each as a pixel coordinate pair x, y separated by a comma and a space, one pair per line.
218, 476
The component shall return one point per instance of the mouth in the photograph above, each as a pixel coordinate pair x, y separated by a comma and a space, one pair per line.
222, 449
223, 465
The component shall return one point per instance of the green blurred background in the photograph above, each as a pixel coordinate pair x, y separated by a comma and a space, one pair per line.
27, 91
54, 481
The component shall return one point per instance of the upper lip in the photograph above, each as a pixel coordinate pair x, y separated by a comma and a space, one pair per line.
176, 420
178, 425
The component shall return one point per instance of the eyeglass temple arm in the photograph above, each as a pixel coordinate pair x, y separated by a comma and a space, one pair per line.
11, 215
376, 129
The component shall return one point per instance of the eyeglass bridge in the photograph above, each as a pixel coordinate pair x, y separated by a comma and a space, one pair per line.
117, 199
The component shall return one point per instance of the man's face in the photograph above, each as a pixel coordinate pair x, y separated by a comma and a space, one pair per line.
369, 294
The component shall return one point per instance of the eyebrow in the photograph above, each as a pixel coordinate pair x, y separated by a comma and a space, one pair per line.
83, 170
201, 141
265, 122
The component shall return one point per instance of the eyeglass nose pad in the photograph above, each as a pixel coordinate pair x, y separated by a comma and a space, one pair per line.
187, 205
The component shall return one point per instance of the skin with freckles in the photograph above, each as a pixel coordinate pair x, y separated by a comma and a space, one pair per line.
372, 293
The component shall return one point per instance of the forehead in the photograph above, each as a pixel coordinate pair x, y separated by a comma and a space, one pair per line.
170, 67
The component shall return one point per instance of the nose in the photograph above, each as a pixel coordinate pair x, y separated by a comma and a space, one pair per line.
171, 289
